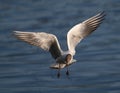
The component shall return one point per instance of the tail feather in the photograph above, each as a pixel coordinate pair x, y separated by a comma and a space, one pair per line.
61, 65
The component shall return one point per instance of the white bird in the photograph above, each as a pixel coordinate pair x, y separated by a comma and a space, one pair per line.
49, 42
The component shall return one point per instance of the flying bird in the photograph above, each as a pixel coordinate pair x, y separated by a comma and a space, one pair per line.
49, 42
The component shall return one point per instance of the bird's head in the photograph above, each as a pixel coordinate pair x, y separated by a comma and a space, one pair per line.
68, 58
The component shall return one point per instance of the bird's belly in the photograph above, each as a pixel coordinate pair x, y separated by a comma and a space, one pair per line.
61, 65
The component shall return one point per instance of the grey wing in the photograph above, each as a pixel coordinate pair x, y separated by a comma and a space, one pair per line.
81, 30
43, 40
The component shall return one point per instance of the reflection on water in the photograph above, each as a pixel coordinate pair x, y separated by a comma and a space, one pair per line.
25, 68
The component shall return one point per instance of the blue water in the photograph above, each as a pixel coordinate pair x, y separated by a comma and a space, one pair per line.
25, 68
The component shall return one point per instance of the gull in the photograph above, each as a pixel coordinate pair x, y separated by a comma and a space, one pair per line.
49, 42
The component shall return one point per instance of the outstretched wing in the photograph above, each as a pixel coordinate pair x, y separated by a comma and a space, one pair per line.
81, 30
43, 40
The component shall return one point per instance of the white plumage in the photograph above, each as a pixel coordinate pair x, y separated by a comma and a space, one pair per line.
49, 42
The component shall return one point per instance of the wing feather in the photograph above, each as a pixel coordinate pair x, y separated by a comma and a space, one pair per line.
43, 40
81, 30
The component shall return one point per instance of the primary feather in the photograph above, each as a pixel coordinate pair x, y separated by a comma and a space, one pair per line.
43, 40
81, 30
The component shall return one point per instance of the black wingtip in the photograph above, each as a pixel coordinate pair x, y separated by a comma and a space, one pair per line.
103, 13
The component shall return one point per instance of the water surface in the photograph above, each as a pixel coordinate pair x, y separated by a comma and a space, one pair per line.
25, 68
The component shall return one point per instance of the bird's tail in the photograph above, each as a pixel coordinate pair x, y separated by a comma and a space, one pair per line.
62, 65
